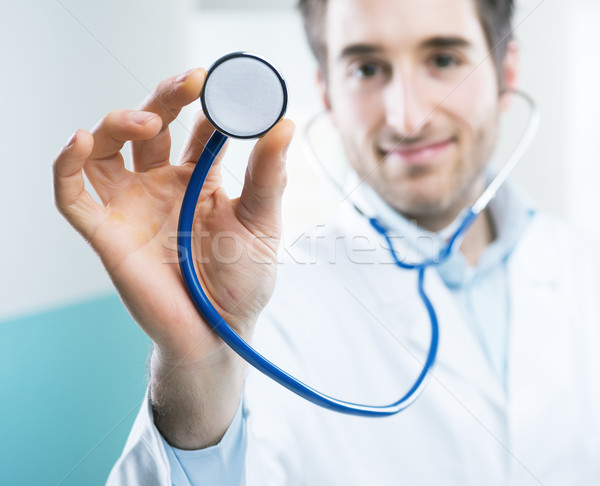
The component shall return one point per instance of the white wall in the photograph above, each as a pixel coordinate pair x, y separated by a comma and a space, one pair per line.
63, 71
541, 32
582, 125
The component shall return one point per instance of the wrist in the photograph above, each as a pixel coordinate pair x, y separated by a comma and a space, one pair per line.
196, 350
193, 403
190, 358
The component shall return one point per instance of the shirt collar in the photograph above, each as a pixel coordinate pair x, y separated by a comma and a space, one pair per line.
510, 210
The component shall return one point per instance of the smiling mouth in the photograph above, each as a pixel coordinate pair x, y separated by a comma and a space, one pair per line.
417, 154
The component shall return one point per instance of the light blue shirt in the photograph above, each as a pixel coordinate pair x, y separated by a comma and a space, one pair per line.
219, 465
481, 292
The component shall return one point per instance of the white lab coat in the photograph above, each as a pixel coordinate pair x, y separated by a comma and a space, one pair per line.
357, 331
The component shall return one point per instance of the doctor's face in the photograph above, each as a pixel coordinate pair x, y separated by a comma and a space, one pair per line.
415, 100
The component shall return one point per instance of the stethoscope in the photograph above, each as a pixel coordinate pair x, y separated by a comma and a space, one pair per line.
244, 96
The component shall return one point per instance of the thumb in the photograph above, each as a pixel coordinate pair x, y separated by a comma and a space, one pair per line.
259, 206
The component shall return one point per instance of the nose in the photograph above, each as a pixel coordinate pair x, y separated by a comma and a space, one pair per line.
404, 107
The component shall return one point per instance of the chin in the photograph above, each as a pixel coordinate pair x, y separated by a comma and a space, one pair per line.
419, 205
422, 209
415, 194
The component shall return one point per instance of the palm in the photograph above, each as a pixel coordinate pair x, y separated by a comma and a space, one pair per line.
137, 242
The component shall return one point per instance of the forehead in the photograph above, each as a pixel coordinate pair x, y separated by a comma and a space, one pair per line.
394, 24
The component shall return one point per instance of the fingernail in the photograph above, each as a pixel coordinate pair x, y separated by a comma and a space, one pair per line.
141, 117
71, 140
284, 151
183, 77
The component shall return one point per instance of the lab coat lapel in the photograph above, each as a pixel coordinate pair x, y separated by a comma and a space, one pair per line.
543, 397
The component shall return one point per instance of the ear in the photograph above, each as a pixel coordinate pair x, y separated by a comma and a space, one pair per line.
322, 86
510, 71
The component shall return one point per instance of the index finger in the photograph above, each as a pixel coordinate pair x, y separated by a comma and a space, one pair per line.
167, 100
172, 94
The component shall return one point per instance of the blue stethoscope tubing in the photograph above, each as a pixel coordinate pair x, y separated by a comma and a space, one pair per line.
250, 355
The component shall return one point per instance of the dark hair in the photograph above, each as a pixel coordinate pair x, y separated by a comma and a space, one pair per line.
495, 17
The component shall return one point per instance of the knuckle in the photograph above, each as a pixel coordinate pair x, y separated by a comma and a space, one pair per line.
284, 180
56, 167
111, 120
115, 115
162, 90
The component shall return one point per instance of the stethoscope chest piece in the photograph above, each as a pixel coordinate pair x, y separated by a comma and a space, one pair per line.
244, 95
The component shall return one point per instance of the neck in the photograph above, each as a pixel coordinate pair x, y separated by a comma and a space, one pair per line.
479, 235
477, 238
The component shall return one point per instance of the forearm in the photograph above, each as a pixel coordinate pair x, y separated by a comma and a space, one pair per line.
194, 404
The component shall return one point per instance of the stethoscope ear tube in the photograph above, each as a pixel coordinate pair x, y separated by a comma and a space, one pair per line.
526, 139
241, 347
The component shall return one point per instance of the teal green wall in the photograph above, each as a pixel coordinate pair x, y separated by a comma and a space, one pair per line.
71, 381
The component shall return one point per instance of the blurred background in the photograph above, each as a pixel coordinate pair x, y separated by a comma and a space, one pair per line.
72, 363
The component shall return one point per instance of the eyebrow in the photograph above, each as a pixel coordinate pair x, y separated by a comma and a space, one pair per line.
446, 41
431, 43
359, 49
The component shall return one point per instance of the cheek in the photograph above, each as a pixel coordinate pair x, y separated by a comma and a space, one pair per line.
472, 102
356, 115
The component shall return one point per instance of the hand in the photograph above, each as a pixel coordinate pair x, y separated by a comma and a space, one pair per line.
133, 228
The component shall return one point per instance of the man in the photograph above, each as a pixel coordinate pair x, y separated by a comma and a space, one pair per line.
416, 96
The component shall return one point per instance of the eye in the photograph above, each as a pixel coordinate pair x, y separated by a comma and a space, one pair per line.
367, 70
444, 61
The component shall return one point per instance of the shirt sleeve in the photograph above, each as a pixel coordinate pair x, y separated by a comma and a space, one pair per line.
221, 464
